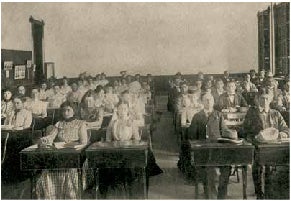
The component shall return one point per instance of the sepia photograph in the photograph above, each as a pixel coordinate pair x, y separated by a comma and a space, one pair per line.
145, 100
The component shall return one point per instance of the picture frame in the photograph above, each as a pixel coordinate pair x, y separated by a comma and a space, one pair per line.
8, 65
19, 72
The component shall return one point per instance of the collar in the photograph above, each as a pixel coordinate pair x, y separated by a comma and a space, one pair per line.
70, 119
262, 110
6, 101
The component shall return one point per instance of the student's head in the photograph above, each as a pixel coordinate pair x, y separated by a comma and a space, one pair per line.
178, 75
90, 80
108, 89
264, 99
80, 82
34, 94
219, 84
198, 83
226, 73
98, 77
184, 88
128, 78
252, 73
137, 77
68, 110
115, 83
231, 87
122, 109
21, 90
65, 81
262, 74
56, 88
99, 91
208, 101
200, 76
74, 87
7, 95
210, 77
103, 76
248, 77
125, 96
123, 81
18, 103
43, 86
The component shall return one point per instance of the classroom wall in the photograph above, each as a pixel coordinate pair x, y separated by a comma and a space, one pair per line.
159, 38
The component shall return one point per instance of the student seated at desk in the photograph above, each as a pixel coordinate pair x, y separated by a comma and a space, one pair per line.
21, 118
230, 100
75, 96
123, 128
92, 106
7, 105
209, 124
36, 106
57, 98
65, 87
62, 184
110, 99
38, 109
259, 119
43, 92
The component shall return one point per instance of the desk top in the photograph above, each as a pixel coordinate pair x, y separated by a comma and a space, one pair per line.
117, 145
60, 149
206, 144
33, 158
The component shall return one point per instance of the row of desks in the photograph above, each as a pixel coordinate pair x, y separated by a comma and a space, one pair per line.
214, 154
135, 155
99, 155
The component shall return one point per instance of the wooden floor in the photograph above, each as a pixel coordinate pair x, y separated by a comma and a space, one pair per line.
169, 185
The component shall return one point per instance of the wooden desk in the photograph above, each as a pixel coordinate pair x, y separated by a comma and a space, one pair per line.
34, 159
12, 142
118, 155
267, 155
213, 154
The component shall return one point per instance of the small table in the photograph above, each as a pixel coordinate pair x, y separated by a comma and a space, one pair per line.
267, 155
213, 154
119, 155
34, 159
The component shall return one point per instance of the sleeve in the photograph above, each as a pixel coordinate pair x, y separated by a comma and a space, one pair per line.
49, 139
243, 102
109, 131
220, 103
135, 133
193, 129
282, 126
248, 124
83, 136
44, 110
28, 120
223, 127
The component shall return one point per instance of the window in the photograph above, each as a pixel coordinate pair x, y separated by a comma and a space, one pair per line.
19, 72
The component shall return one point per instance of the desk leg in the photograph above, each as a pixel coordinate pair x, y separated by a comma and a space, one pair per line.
32, 187
80, 181
145, 183
244, 178
96, 183
267, 186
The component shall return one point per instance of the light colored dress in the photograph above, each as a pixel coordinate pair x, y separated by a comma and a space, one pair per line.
7, 108
122, 130
62, 184
19, 119
38, 108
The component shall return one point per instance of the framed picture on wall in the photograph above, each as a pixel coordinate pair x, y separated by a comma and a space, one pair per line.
28, 63
19, 72
8, 65
49, 69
